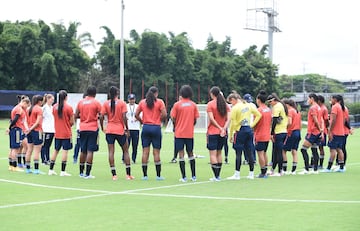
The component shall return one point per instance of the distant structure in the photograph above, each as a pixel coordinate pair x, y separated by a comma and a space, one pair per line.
261, 16
352, 86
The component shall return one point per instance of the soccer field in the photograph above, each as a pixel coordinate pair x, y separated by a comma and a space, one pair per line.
328, 201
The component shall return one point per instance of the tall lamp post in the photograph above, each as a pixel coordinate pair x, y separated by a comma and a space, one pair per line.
122, 52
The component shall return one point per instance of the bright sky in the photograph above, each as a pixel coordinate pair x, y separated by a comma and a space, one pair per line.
317, 36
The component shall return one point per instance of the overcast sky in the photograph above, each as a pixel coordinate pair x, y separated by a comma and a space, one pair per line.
318, 36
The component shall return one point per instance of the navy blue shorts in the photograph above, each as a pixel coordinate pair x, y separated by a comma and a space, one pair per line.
244, 139
262, 146
151, 134
15, 137
323, 141
313, 139
121, 139
35, 137
65, 144
215, 142
292, 141
279, 140
181, 142
336, 142
89, 141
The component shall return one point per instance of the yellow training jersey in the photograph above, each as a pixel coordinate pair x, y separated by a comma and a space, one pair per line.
241, 114
278, 110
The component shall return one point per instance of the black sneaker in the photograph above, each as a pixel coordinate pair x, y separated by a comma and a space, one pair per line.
173, 161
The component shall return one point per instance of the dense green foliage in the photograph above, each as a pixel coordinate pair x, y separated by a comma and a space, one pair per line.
37, 56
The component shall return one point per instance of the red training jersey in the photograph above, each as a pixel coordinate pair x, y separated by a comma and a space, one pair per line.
295, 120
221, 120
151, 115
63, 125
20, 123
35, 113
325, 116
185, 113
89, 109
116, 124
314, 110
262, 130
338, 128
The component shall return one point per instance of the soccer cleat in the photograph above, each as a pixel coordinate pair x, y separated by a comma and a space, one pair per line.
314, 172
114, 177
160, 178
145, 178
52, 172
16, 169
275, 174
28, 171
63, 173
304, 172
193, 178
129, 177
215, 179
21, 165
262, 176
325, 170
38, 172
173, 161
81, 175
234, 177
183, 179
340, 170
293, 173
89, 177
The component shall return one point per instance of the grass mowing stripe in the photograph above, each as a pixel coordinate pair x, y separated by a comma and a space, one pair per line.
245, 199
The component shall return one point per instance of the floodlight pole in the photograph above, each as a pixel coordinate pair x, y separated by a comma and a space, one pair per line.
122, 52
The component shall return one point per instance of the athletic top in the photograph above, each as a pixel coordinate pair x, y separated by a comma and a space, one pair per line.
338, 128
314, 110
35, 113
115, 124
346, 118
18, 110
295, 120
151, 115
278, 110
212, 129
241, 114
185, 113
325, 116
89, 109
62, 125
262, 131
48, 119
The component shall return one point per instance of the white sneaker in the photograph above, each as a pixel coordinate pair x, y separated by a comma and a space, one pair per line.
293, 173
315, 172
89, 177
183, 179
250, 177
52, 172
304, 172
275, 174
215, 179
64, 173
234, 177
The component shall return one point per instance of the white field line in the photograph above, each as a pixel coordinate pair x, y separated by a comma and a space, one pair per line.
246, 199
137, 192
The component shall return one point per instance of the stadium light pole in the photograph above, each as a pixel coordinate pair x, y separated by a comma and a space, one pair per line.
122, 52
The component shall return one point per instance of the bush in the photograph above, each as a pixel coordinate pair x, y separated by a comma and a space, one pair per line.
354, 108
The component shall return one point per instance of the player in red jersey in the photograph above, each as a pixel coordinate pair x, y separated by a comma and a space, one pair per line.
63, 121
325, 116
184, 115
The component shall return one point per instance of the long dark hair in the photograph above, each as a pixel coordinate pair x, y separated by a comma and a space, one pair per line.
35, 100
276, 97
262, 96
292, 103
221, 105
62, 97
150, 97
340, 100
113, 93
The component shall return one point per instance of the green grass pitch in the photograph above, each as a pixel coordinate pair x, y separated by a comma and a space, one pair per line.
311, 202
